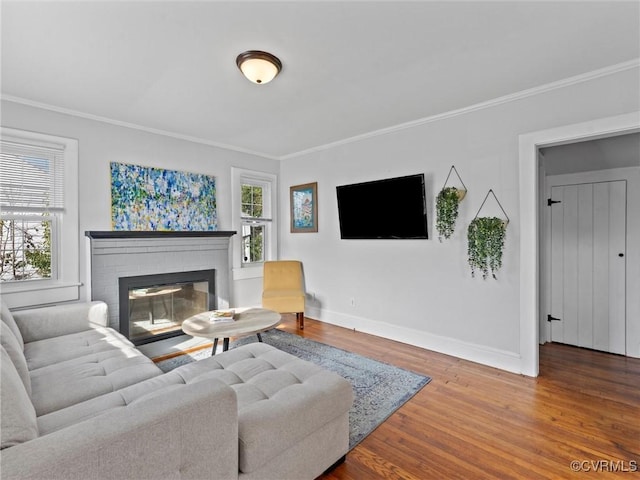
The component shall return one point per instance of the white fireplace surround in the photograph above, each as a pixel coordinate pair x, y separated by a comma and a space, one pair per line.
124, 254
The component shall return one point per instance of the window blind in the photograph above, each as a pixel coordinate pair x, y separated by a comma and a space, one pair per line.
31, 177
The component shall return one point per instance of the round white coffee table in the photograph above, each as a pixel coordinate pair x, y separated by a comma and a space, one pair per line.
247, 321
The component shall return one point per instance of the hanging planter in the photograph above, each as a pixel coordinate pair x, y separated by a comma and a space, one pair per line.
447, 210
486, 242
447, 203
486, 236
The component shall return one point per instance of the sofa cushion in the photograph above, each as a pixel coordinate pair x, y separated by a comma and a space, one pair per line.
14, 350
72, 414
47, 322
73, 381
7, 317
138, 392
18, 419
267, 383
54, 350
310, 396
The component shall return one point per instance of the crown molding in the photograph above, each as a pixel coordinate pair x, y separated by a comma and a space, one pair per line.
119, 123
585, 77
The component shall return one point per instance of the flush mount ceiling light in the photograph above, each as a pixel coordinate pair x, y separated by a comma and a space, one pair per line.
259, 67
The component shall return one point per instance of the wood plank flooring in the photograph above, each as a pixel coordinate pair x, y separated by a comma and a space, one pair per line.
477, 422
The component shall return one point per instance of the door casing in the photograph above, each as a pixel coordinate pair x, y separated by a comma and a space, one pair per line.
529, 184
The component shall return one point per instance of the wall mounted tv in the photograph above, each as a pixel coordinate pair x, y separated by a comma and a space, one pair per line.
393, 208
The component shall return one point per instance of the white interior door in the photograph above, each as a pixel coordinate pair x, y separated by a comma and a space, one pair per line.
588, 232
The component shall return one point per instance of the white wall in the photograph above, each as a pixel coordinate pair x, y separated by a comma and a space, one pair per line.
418, 292
101, 143
421, 292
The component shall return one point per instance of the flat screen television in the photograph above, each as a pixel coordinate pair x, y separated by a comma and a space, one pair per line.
393, 208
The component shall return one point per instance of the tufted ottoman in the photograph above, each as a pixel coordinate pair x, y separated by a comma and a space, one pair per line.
293, 416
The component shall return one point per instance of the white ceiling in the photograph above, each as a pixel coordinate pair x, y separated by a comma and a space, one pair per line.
350, 67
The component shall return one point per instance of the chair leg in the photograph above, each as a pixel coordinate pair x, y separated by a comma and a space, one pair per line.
300, 320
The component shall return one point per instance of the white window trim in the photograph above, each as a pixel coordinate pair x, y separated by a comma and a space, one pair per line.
238, 175
66, 286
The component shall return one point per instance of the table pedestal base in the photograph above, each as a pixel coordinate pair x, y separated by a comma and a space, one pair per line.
225, 344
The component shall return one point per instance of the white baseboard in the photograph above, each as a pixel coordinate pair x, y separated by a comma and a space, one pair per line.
482, 354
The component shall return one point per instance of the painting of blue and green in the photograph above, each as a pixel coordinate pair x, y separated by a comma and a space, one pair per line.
153, 199
303, 208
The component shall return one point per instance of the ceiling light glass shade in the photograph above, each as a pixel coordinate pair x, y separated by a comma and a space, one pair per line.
259, 67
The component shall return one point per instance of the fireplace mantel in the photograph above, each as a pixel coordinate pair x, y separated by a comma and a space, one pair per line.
155, 234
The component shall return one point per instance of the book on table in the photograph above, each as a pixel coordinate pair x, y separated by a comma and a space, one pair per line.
222, 316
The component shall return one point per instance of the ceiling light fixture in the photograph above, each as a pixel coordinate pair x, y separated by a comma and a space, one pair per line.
259, 67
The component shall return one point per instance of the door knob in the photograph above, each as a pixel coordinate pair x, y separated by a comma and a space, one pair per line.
621, 254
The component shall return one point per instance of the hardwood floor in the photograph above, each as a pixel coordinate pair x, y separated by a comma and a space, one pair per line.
477, 422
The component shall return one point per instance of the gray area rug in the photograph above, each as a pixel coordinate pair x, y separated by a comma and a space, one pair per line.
379, 388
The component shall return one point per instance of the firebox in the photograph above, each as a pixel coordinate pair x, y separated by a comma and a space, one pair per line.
153, 307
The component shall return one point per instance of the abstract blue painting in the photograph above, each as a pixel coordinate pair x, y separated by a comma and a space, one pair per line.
154, 199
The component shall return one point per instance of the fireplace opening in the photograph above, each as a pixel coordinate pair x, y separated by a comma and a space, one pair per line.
153, 307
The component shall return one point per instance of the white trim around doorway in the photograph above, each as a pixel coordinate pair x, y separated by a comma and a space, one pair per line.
529, 144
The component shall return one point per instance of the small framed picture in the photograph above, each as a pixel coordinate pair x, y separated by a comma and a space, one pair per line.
304, 208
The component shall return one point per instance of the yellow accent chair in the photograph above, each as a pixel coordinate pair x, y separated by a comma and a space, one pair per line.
283, 288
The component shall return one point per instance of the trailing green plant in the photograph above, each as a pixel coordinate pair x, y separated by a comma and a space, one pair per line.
486, 237
447, 210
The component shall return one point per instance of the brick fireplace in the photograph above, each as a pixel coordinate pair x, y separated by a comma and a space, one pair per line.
161, 271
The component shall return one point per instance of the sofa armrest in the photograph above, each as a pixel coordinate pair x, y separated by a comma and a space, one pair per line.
190, 432
46, 322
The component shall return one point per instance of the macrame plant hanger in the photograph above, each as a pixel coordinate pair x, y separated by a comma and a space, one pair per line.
453, 169
491, 192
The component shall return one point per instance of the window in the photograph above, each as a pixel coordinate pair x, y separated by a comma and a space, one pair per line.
25, 246
254, 198
39, 218
254, 222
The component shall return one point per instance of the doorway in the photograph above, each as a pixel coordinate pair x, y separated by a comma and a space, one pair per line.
531, 253
584, 238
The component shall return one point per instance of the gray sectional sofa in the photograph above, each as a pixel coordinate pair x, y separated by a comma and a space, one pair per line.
79, 401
